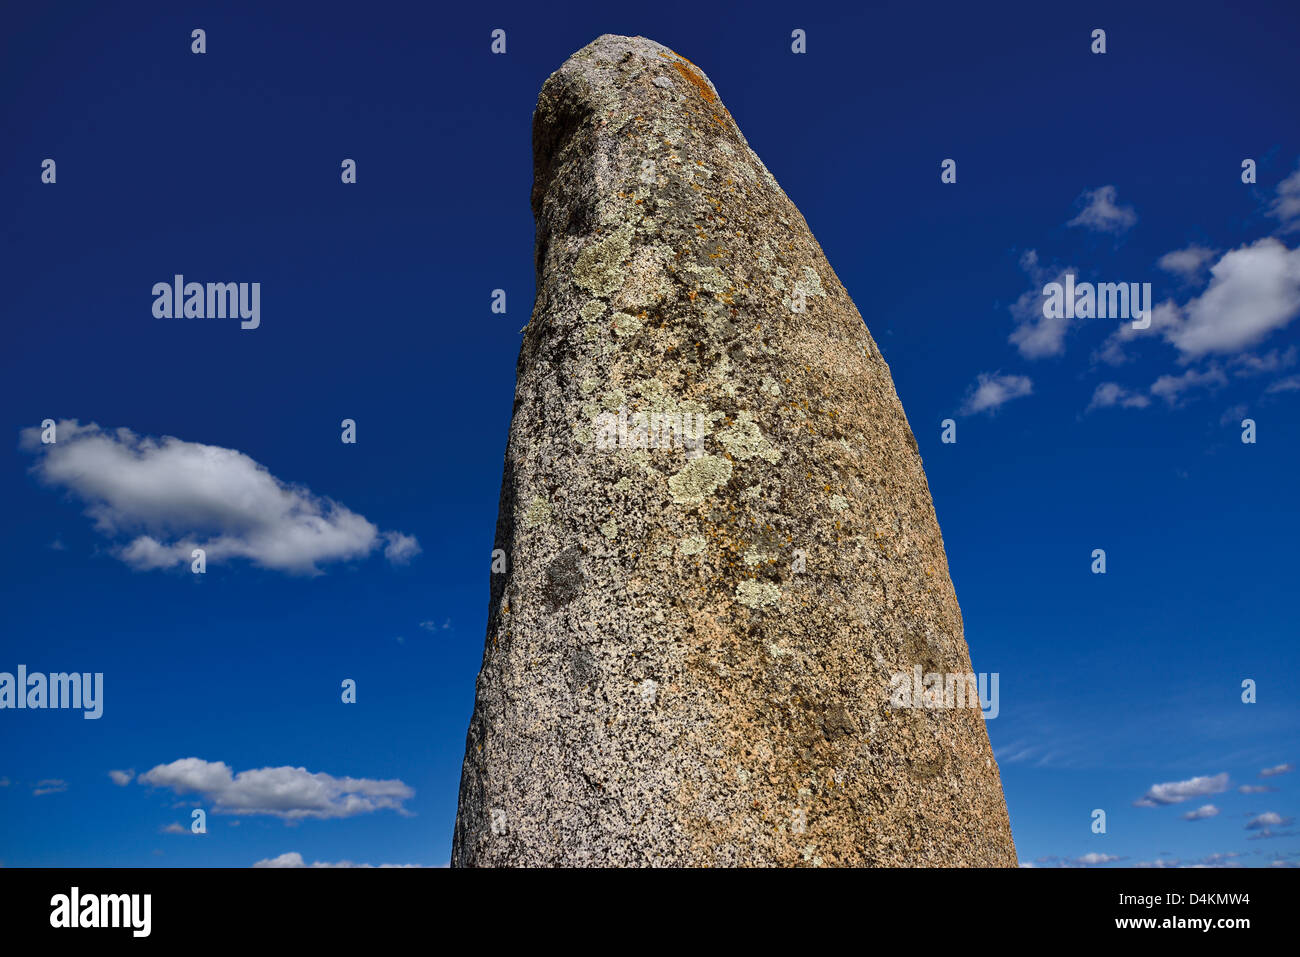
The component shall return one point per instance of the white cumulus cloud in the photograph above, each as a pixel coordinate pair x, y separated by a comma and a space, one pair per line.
1253, 292
162, 498
1175, 792
285, 792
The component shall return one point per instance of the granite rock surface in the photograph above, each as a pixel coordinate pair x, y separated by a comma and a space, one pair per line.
720, 545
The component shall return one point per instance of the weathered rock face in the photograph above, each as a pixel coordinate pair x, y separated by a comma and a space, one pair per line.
689, 659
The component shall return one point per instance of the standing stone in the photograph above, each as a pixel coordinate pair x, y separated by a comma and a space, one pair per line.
689, 657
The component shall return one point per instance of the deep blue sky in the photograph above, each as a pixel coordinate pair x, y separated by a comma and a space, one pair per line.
375, 306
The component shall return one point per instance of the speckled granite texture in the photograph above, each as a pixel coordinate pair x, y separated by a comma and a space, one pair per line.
688, 659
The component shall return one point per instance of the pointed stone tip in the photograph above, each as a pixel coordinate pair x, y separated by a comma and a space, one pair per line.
612, 52
614, 46
615, 80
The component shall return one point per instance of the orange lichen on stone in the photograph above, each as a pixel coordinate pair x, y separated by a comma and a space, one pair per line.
692, 76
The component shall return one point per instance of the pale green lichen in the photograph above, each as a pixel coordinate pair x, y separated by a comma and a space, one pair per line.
626, 324
744, 440
701, 478
588, 385
754, 594
709, 278
770, 386
641, 459
755, 557
691, 545
599, 268
656, 397
592, 310
839, 503
613, 399
623, 484
538, 512
609, 529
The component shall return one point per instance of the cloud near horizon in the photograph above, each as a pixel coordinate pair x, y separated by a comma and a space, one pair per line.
292, 859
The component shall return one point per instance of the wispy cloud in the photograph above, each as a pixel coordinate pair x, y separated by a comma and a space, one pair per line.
1285, 207
1276, 770
1275, 360
292, 859
1036, 336
1110, 394
1187, 263
1102, 212
1201, 813
122, 778
1174, 389
1091, 859
993, 390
